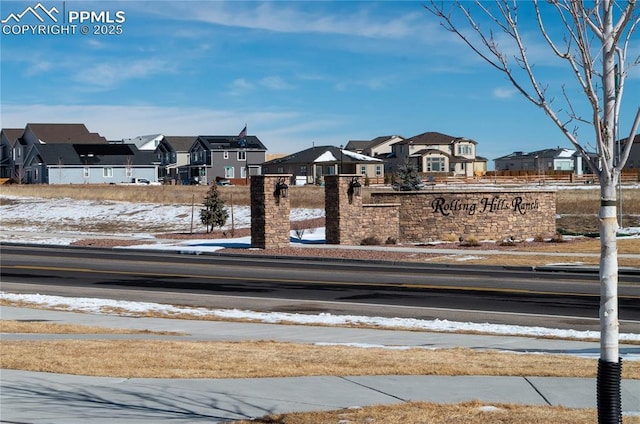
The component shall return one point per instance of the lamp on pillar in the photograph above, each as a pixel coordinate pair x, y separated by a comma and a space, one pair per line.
355, 189
281, 190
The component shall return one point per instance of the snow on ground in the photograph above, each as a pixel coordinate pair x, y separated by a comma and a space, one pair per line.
72, 220
98, 306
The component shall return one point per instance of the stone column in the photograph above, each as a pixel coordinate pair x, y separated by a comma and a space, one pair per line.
343, 210
270, 225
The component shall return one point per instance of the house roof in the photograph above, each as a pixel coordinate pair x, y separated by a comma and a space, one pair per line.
65, 134
322, 154
12, 134
435, 138
544, 153
231, 142
636, 139
180, 143
357, 144
144, 142
367, 144
94, 154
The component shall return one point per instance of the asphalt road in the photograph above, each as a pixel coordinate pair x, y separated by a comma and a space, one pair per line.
468, 293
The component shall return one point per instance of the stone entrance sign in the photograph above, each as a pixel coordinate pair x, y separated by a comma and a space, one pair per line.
432, 215
405, 217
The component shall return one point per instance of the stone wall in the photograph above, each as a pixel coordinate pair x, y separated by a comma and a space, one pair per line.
409, 217
349, 222
432, 215
270, 226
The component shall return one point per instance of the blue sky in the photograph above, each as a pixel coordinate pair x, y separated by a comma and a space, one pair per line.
297, 73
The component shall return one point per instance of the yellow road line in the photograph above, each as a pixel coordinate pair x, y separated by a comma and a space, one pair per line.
315, 282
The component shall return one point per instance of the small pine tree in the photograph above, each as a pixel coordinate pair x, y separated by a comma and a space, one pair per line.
214, 214
409, 177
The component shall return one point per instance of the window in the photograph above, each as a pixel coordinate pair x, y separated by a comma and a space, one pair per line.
243, 172
225, 155
280, 170
363, 169
378, 170
435, 164
465, 149
107, 172
303, 170
242, 155
229, 172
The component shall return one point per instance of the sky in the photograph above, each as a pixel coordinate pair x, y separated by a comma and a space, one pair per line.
297, 73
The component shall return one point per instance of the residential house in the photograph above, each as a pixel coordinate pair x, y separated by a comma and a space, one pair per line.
11, 153
172, 153
223, 157
310, 165
633, 162
435, 153
71, 154
379, 147
91, 164
540, 161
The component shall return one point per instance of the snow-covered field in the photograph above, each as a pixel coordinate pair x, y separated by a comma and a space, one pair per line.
61, 221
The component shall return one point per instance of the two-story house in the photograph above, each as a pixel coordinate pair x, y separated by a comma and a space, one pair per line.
71, 154
172, 154
436, 153
223, 157
11, 153
379, 148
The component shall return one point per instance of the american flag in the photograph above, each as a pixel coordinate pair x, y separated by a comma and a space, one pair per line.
243, 133
242, 137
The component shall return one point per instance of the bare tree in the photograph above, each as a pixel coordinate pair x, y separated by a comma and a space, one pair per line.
596, 37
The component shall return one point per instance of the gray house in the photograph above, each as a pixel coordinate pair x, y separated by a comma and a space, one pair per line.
89, 164
540, 161
633, 162
223, 157
11, 152
70, 154
172, 153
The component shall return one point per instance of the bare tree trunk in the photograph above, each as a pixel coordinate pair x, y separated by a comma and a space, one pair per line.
609, 370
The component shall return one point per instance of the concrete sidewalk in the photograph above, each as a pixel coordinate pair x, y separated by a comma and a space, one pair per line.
54, 398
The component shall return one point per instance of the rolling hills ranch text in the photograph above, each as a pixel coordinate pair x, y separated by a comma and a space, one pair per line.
485, 205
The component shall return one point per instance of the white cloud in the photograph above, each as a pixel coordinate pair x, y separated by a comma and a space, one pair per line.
239, 87
504, 92
363, 21
276, 83
104, 76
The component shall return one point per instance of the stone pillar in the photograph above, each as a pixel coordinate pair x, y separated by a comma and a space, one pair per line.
342, 210
270, 225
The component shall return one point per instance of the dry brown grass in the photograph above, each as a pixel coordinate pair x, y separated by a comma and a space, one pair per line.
257, 359
304, 196
433, 413
569, 201
12, 327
